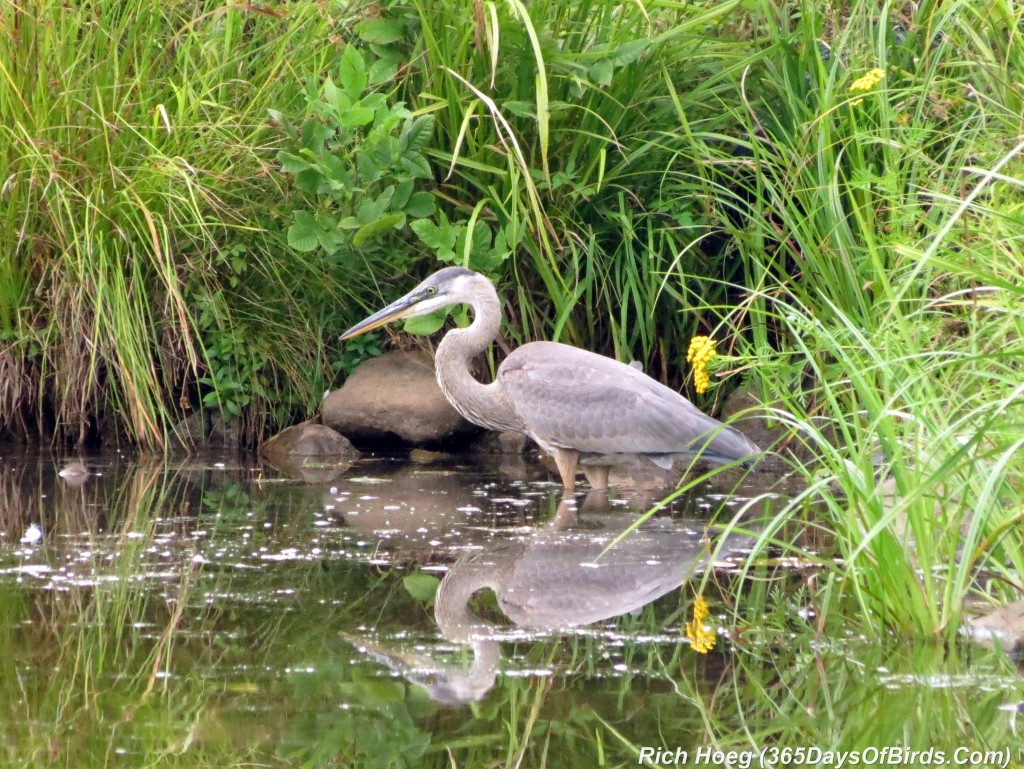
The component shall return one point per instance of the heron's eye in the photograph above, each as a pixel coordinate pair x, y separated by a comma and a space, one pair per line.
431, 290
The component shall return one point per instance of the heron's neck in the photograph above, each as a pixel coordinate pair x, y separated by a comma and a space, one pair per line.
479, 403
451, 603
457, 623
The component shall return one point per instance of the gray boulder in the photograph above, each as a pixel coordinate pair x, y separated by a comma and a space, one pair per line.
503, 442
309, 452
394, 402
308, 440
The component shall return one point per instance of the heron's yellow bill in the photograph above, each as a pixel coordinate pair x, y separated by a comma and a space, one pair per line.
397, 310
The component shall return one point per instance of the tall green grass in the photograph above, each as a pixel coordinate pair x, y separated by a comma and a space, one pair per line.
142, 265
880, 238
549, 125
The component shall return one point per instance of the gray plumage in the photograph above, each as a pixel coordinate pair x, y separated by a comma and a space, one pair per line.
575, 399
579, 406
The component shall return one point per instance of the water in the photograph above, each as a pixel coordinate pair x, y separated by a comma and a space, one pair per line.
214, 612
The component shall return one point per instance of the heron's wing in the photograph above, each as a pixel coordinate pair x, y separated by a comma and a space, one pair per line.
575, 399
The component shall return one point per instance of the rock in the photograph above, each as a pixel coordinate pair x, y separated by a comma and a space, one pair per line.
308, 440
502, 442
1003, 627
765, 430
224, 432
425, 457
192, 430
394, 402
309, 452
206, 428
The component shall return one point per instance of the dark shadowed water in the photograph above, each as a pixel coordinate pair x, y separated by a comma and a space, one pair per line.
215, 612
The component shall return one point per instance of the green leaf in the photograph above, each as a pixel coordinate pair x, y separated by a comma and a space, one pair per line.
370, 210
402, 194
421, 204
374, 101
292, 163
601, 72
286, 125
486, 261
330, 239
482, 236
302, 234
381, 31
314, 134
629, 52
391, 221
327, 232
335, 97
338, 172
421, 586
309, 181
424, 325
416, 134
439, 238
370, 167
355, 116
384, 69
352, 72
416, 165
520, 108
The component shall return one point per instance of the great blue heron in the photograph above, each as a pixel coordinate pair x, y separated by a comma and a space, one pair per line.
580, 407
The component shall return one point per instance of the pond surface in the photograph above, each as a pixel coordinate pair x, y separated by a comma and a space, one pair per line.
215, 612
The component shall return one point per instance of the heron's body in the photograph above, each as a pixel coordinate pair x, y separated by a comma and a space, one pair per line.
579, 406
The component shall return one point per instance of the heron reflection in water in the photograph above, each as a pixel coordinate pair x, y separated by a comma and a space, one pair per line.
583, 408
559, 577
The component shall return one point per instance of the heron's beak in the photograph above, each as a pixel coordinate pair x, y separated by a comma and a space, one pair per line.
401, 308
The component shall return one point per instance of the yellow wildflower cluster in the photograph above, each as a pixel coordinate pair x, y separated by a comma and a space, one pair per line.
702, 638
700, 353
866, 82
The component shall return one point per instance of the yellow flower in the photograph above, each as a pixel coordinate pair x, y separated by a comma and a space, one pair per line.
702, 637
866, 82
700, 353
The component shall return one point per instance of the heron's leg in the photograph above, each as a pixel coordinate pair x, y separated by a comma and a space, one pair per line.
595, 501
597, 475
565, 516
566, 460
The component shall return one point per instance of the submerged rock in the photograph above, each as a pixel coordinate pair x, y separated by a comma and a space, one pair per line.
309, 452
1004, 627
207, 428
394, 402
502, 442
74, 473
308, 440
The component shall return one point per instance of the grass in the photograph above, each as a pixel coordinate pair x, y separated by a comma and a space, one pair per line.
876, 228
139, 220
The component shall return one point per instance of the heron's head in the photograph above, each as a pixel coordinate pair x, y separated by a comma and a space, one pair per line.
452, 285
